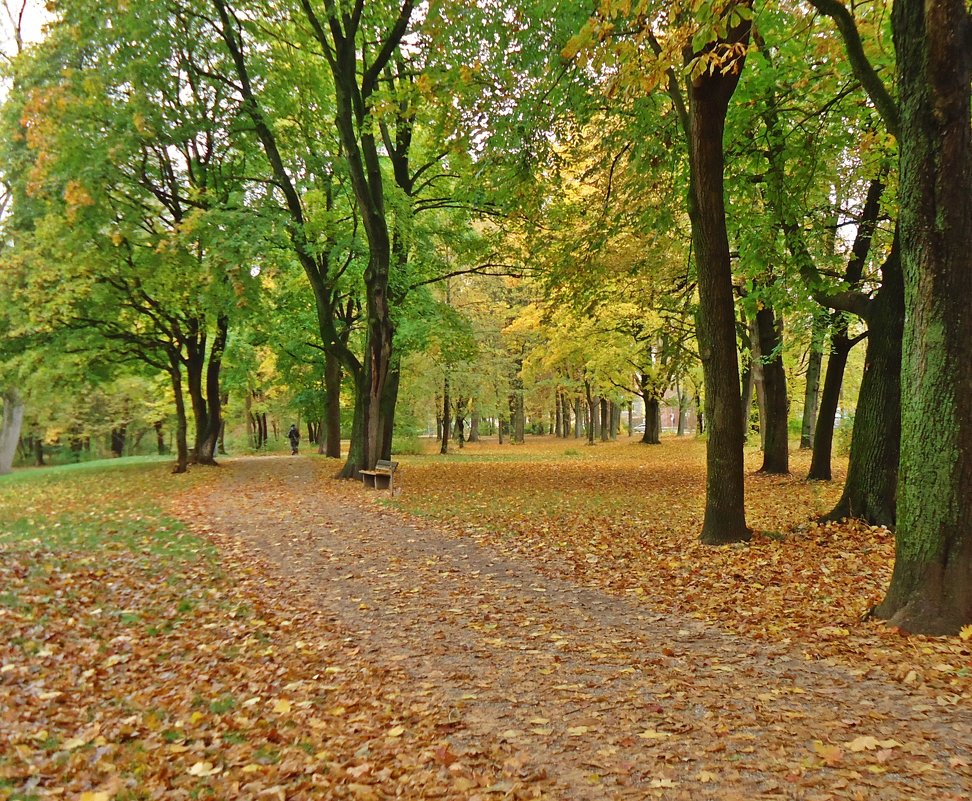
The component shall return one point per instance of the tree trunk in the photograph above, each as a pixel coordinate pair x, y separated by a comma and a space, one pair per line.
750, 349
870, 492
709, 95
931, 588
823, 435
474, 423
682, 411
333, 375
630, 418
13, 419
775, 447
591, 413
195, 364
558, 416
39, 451
206, 448
811, 396
181, 432
604, 419
446, 415
652, 435
577, 417
118, 436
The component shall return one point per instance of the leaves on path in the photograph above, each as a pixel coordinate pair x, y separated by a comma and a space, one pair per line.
626, 518
133, 665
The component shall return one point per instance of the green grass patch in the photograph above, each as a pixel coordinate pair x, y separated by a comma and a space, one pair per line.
98, 507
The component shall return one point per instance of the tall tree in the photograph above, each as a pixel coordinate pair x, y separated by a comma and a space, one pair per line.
931, 588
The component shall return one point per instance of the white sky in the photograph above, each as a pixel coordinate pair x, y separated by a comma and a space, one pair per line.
32, 22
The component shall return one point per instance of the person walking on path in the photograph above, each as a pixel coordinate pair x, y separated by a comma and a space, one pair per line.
294, 436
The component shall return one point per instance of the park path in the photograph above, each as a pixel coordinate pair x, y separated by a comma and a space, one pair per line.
607, 698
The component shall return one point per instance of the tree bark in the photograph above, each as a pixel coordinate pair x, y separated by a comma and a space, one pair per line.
333, 375
750, 348
870, 492
709, 96
13, 419
182, 444
652, 435
775, 446
931, 587
604, 420
206, 448
446, 415
823, 435
811, 395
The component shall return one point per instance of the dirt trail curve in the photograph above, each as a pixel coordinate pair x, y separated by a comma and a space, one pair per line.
613, 700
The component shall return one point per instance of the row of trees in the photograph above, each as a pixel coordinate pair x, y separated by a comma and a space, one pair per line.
663, 185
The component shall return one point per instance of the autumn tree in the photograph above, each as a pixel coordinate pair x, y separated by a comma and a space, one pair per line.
931, 589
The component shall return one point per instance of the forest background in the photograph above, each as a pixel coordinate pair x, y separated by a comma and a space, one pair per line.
505, 218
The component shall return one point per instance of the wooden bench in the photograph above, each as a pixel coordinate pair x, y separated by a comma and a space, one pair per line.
382, 477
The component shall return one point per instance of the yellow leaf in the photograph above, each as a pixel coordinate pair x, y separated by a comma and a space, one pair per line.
577, 731
651, 734
706, 777
94, 796
397, 731
864, 743
251, 768
204, 769
830, 754
74, 742
281, 706
966, 632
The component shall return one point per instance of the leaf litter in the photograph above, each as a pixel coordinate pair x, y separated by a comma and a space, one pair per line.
596, 646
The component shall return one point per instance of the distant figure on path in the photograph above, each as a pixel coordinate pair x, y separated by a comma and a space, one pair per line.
294, 436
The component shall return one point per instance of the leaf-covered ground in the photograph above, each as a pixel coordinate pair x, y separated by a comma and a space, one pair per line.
136, 662
606, 693
522, 622
625, 517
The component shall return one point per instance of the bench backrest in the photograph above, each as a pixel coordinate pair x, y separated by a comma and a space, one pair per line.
384, 464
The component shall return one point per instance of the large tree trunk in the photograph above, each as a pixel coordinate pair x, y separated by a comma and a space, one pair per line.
931, 588
332, 406
652, 435
13, 419
709, 96
775, 445
811, 395
389, 403
870, 492
604, 420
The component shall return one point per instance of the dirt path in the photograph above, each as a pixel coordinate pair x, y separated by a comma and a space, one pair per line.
611, 700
